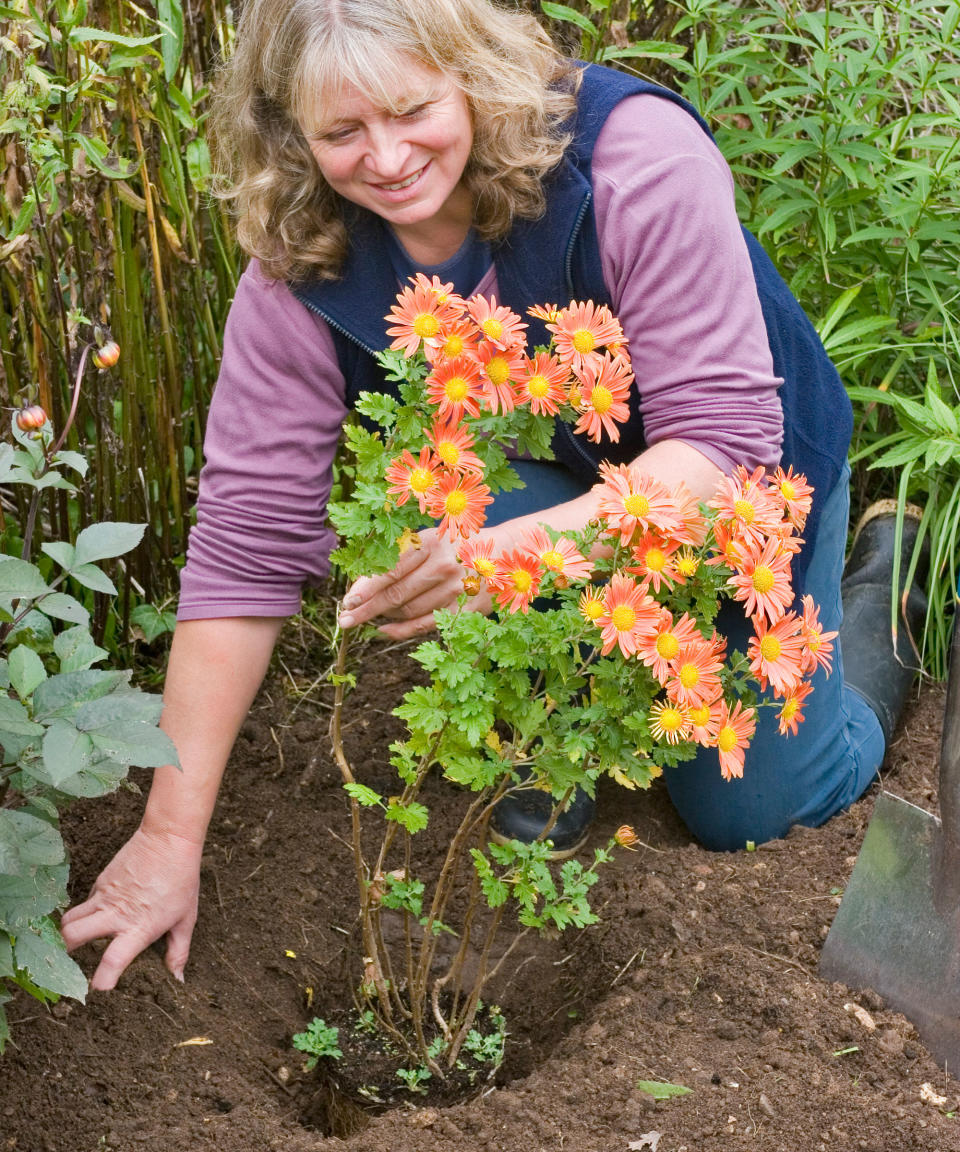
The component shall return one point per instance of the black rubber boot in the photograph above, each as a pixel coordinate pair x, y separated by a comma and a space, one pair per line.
881, 674
523, 816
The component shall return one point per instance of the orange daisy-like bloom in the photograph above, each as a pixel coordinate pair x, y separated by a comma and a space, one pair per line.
499, 368
664, 644
763, 582
498, 325
668, 721
705, 723
455, 387
734, 731
747, 508
590, 604
458, 338
795, 494
581, 329
542, 384
776, 653
818, 649
549, 313
517, 580
730, 548
604, 390
562, 558
453, 445
791, 714
410, 476
653, 561
458, 502
477, 555
420, 311
693, 527
694, 679
686, 565
629, 615
630, 501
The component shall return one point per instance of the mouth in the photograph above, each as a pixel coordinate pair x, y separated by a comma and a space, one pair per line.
400, 185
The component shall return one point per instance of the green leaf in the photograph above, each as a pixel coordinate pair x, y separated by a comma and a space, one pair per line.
6, 960
26, 671
63, 607
4, 1026
15, 718
60, 551
134, 742
73, 460
44, 956
106, 540
141, 707
412, 816
61, 695
661, 1090
90, 576
152, 621
170, 18
364, 796
66, 752
20, 579
98, 154
24, 898
76, 650
567, 15
100, 36
27, 842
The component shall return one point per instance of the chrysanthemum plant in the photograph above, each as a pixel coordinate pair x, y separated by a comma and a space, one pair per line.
599, 658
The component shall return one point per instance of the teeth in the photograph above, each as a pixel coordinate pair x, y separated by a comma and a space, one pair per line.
402, 184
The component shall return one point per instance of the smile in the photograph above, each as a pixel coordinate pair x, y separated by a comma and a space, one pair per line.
402, 183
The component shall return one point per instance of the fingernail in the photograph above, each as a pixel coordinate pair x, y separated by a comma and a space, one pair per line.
178, 975
351, 601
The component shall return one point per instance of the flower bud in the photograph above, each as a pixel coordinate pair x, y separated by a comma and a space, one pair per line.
471, 584
626, 837
30, 418
107, 355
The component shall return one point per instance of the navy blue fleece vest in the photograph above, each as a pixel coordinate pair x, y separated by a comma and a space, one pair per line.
557, 258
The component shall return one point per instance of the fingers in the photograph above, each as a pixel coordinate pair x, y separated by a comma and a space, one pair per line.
86, 922
122, 950
178, 949
422, 580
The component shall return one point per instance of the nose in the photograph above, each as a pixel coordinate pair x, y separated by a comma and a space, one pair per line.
388, 152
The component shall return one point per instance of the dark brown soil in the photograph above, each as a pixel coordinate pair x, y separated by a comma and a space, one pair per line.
702, 972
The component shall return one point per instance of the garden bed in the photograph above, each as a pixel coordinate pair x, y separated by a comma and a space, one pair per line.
702, 972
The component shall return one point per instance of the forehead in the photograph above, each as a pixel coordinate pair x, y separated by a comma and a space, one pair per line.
337, 89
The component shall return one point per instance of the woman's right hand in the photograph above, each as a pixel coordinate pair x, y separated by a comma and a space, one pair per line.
148, 889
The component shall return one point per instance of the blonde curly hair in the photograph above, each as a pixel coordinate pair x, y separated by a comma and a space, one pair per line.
293, 57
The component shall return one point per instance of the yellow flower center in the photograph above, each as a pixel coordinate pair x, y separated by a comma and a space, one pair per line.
492, 329
667, 645
655, 560
421, 479
498, 371
456, 502
448, 452
593, 609
583, 341
553, 560
637, 505
744, 510
763, 579
601, 399
787, 490
538, 386
426, 324
789, 709
689, 675
623, 618
456, 389
670, 719
485, 568
813, 642
453, 346
687, 565
727, 738
701, 715
522, 580
770, 648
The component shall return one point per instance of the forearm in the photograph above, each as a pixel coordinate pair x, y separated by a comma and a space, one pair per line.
216, 667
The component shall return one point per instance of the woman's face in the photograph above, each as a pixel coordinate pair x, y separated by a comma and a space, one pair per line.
405, 165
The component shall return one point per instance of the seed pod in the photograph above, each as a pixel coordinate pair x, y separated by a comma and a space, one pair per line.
30, 418
107, 355
626, 837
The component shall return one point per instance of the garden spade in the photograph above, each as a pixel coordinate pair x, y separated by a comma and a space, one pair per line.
898, 926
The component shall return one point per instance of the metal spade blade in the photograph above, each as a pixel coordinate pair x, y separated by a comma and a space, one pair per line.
898, 926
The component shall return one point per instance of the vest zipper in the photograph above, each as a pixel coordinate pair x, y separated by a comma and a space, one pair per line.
333, 324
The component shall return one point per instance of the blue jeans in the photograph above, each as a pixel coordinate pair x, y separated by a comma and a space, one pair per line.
787, 780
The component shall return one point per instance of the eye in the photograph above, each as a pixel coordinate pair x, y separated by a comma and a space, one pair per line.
414, 112
335, 135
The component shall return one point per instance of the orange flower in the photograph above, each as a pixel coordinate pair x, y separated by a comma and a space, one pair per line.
664, 644
477, 555
459, 502
498, 371
626, 837
776, 653
763, 582
629, 501
795, 494
458, 338
550, 313
669, 721
413, 477
791, 714
580, 329
629, 614
590, 604
695, 667
542, 384
517, 580
562, 558
604, 390
454, 386
818, 649
693, 526
420, 311
498, 325
705, 723
734, 731
652, 556
747, 507
452, 445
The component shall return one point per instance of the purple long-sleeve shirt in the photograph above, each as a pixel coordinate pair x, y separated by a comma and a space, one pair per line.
680, 280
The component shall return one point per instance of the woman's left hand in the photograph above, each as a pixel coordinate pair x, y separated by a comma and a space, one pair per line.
423, 580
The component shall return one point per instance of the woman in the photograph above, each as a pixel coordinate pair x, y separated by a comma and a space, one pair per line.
367, 139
